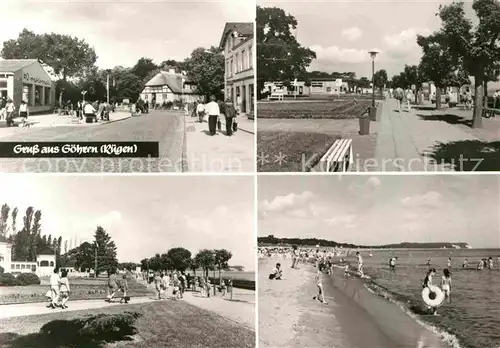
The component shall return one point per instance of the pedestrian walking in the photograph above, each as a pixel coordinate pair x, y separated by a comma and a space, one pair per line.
10, 107
54, 289
409, 96
64, 288
229, 114
112, 285
213, 111
24, 112
399, 95
200, 110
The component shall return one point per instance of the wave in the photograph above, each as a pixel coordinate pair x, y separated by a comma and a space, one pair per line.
409, 309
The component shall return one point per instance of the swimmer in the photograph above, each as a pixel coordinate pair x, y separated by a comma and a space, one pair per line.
346, 270
319, 283
465, 264
392, 263
360, 264
446, 284
490, 262
480, 265
429, 263
427, 283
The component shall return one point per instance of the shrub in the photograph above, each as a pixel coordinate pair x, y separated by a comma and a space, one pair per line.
7, 279
27, 279
168, 104
1, 270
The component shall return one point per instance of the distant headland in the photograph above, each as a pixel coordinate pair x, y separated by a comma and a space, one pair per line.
275, 241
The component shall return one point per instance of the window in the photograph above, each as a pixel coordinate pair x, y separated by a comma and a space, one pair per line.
47, 95
231, 68
316, 84
18, 266
44, 263
23, 266
51, 263
250, 57
33, 268
243, 60
237, 64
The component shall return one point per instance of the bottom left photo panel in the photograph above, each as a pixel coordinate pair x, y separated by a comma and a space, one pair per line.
127, 261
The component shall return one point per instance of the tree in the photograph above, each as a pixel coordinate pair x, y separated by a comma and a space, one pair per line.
279, 55
127, 85
222, 257
478, 48
193, 265
106, 251
83, 255
143, 67
180, 258
206, 260
4, 217
206, 70
68, 56
380, 78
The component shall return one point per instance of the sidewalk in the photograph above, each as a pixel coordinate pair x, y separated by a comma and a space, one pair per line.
404, 139
219, 153
25, 309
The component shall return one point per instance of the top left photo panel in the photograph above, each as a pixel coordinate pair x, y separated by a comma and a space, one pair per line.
127, 87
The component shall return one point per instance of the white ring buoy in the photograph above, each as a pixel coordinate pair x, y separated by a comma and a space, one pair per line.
435, 300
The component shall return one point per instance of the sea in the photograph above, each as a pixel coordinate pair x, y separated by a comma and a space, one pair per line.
472, 317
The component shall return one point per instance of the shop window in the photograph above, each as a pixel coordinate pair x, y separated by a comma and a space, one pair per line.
47, 95
38, 95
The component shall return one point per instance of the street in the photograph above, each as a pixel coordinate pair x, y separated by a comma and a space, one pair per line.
166, 127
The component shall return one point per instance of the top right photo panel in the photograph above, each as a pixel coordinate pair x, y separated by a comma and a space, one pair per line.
365, 86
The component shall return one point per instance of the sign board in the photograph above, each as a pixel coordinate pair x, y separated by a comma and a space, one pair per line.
338, 82
35, 74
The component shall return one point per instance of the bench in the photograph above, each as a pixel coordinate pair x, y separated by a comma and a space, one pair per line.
338, 158
490, 112
275, 96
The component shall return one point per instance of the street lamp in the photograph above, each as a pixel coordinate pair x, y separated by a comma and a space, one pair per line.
373, 110
215, 260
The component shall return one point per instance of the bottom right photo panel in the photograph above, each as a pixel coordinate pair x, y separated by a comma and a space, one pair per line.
384, 261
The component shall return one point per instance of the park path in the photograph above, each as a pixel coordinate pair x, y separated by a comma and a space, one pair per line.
404, 139
40, 308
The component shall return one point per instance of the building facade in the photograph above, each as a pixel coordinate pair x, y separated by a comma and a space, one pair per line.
169, 86
239, 51
26, 79
44, 265
316, 87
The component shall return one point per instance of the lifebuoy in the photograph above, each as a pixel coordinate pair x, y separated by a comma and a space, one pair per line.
433, 296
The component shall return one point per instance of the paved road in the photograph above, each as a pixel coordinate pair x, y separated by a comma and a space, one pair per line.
167, 127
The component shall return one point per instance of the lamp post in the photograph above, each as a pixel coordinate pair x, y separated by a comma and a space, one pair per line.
373, 110
215, 260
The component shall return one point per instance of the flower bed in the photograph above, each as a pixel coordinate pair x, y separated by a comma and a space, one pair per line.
312, 110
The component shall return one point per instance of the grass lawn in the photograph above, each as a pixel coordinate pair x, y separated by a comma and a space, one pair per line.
159, 324
81, 289
340, 110
289, 151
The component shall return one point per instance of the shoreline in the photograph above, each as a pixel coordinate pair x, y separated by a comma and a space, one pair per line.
356, 316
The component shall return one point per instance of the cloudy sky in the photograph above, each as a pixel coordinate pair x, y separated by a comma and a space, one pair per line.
342, 32
144, 215
380, 210
124, 31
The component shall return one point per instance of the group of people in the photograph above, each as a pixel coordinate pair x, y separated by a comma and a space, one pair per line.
9, 111
173, 285
445, 286
213, 110
59, 289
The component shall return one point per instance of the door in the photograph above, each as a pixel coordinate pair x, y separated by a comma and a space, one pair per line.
243, 105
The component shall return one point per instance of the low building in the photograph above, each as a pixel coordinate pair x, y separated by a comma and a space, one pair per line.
315, 87
26, 79
169, 86
44, 265
239, 50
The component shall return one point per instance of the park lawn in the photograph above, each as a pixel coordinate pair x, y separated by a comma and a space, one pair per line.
161, 324
81, 289
290, 151
335, 110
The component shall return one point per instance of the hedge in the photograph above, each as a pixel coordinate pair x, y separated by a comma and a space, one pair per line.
8, 279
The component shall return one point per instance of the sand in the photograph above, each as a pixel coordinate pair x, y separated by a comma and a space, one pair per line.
353, 318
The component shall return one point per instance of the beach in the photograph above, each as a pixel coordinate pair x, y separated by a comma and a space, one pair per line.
353, 318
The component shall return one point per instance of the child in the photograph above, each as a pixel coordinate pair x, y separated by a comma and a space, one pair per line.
446, 284
427, 283
277, 272
319, 284
64, 288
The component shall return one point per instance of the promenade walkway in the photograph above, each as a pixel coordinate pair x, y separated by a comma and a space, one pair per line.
405, 140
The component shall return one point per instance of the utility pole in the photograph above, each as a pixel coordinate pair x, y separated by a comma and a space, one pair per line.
107, 88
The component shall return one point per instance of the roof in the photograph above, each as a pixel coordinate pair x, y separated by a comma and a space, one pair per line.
173, 81
13, 65
245, 29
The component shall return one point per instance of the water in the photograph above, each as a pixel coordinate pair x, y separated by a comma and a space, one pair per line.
474, 313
